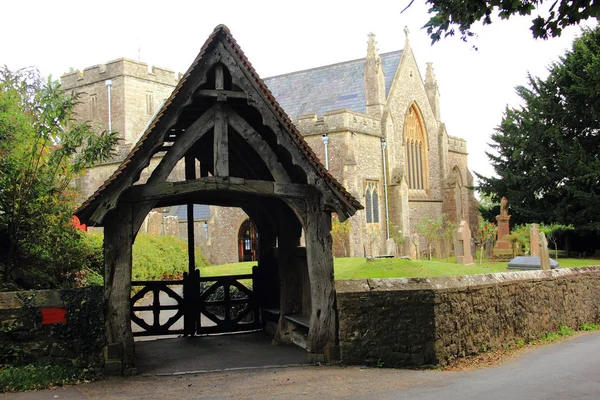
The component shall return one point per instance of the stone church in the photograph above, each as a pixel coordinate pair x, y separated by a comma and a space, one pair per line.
373, 122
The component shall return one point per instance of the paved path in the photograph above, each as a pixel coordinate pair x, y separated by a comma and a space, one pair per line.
566, 370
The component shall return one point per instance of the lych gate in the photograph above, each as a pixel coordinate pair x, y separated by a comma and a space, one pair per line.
239, 149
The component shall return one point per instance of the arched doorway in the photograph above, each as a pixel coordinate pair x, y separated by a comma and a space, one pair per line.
248, 241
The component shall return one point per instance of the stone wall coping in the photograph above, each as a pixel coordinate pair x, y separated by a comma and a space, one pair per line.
465, 282
40, 298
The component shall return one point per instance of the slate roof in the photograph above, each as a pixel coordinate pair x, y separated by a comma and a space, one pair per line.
201, 212
327, 88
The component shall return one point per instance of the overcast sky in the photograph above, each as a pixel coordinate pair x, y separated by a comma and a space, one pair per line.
284, 36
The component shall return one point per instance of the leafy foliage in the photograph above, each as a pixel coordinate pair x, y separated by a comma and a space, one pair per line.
548, 151
449, 15
35, 377
41, 152
154, 258
340, 232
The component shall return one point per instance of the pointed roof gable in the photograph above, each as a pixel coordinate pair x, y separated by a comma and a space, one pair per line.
177, 114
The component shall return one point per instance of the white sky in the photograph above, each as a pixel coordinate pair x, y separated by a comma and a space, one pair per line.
284, 36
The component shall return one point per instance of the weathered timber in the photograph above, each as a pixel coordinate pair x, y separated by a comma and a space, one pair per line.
118, 242
163, 190
219, 78
221, 94
261, 147
190, 174
290, 297
242, 79
221, 143
184, 142
322, 334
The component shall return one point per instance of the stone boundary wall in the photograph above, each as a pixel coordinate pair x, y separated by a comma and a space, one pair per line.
422, 321
52, 327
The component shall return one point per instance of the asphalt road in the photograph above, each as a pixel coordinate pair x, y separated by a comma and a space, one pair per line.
565, 370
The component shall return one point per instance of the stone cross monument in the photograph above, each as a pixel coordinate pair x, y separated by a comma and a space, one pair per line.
503, 247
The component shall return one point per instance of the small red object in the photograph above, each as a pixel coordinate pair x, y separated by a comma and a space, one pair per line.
54, 315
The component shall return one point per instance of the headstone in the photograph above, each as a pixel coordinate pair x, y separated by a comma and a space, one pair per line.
534, 233
544, 255
390, 247
154, 223
530, 263
171, 226
463, 244
406, 247
503, 247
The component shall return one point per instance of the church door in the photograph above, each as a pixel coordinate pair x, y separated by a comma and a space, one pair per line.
248, 241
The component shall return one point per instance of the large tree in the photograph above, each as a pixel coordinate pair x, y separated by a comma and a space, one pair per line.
41, 151
547, 152
449, 15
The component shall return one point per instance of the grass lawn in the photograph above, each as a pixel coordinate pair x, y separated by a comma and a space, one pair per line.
359, 268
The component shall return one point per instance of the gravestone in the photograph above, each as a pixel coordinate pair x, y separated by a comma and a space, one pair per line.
171, 226
530, 263
534, 234
463, 244
154, 223
544, 255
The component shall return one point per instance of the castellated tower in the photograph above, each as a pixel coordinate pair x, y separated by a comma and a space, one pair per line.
136, 92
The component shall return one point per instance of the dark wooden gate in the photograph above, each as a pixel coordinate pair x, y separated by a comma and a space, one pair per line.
227, 304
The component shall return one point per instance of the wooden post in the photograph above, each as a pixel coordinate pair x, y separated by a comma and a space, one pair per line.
290, 278
322, 334
190, 173
221, 143
118, 243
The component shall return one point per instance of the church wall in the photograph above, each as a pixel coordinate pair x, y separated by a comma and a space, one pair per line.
422, 209
406, 89
223, 228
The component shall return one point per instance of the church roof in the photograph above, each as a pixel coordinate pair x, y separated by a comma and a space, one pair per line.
327, 88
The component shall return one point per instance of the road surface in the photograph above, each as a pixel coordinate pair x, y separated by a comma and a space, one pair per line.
565, 370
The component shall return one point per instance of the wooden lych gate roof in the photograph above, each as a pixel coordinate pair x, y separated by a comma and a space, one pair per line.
222, 114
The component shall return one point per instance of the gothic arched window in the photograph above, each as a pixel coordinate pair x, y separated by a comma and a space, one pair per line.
415, 153
372, 202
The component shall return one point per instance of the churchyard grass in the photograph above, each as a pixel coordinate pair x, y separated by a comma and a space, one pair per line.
359, 268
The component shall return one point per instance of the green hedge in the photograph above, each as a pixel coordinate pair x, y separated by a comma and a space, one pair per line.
154, 258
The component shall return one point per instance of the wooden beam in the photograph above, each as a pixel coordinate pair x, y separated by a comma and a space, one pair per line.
183, 143
162, 191
219, 78
221, 143
221, 95
259, 145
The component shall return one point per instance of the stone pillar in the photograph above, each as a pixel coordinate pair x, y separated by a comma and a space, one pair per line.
534, 233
